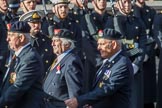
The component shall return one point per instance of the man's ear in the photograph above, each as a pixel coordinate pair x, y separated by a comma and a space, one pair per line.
22, 37
67, 45
114, 44
53, 9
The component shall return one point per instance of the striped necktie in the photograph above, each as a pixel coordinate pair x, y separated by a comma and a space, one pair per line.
53, 64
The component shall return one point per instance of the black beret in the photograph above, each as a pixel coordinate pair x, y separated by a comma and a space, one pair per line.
20, 27
13, 3
32, 16
111, 34
63, 33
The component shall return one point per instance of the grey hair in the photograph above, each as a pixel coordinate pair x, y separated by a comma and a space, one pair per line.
27, 35
119, 43
68, 41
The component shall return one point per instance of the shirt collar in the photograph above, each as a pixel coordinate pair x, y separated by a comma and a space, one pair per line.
60, 57
19, 51
111, 58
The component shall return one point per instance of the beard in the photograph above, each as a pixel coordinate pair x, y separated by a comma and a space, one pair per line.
34, 33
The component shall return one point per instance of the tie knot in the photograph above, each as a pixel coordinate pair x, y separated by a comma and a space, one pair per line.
14, 57
53, 64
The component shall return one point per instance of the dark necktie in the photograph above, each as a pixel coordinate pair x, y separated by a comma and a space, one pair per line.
99, 72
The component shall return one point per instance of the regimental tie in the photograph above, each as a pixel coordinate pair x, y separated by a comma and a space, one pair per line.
50, 68
53, 64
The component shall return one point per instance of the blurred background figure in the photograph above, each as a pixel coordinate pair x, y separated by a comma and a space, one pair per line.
157, 30
28, 5
3, 43
134, 39
40, 41
146, 14
13, 6
92, 25
79, 9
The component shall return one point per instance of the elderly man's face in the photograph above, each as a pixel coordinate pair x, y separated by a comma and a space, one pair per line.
29, 4
105, 47
58, 48
13, 40
3, 5
61, 10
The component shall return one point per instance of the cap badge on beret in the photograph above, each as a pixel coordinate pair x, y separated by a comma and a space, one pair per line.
9, 26
36, 15
56, 31
100, 33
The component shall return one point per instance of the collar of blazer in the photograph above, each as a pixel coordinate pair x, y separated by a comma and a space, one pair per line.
108, 65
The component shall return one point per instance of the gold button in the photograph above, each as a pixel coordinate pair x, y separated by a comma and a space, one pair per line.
46, 61
113, 62
136, 27
131, 45
75, 13
149, 19
43, 39
46, 50
77, 21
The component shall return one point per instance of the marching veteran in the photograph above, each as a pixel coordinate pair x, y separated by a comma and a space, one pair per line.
38, 40
112, 84
25, 72
64, 79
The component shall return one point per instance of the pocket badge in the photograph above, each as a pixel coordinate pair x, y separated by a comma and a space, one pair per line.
106, 74
12, 77
101, 84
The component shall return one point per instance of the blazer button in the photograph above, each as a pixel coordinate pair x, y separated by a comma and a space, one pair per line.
53, 84
48, 100
49, 93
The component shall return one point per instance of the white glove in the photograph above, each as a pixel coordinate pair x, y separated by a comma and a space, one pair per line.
146, 58
135, 68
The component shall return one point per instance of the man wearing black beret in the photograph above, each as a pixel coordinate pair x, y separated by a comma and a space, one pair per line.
13, 6
22, 84
64, 79
112, 82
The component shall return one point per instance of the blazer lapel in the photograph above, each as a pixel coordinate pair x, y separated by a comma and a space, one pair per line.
107, 66
52, 73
